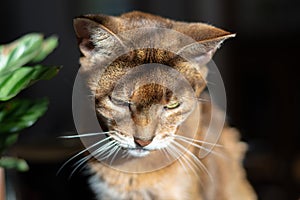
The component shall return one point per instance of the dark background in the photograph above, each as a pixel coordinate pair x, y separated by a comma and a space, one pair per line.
259, 68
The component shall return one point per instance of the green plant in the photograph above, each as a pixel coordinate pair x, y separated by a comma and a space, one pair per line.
19, 70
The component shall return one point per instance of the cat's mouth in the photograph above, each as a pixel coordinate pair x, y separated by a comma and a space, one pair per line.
128, 145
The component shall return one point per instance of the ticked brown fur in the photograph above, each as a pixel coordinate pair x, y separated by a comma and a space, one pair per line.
100, 38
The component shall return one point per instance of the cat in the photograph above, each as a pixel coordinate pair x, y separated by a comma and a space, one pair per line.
147, 82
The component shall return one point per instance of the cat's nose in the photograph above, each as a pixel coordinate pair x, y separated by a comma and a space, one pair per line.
142, 143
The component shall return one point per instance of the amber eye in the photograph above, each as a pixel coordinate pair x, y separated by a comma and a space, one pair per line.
172, 105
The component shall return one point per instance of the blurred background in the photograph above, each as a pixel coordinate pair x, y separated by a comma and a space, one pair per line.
259, 68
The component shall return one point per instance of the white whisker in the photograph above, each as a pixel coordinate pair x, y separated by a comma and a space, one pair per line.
79, 163
85, 135
195, 159
125, 154
112, 150
83, 160
199, 141
192, 165
115, 154
103, 151
176, 154
81, 152
199, 146
166, 153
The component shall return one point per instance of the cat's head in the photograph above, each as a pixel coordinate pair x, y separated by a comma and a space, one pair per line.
145, 78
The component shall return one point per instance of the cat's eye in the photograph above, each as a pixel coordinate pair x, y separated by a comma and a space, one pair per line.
172, 105
118, 102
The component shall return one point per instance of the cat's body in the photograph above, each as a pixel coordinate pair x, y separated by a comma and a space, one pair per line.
172, 182
143, 111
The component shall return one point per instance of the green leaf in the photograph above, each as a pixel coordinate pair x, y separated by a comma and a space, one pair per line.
6, 140
13, 82
16, 115
19, 114
20, 52
13, 163
48, 46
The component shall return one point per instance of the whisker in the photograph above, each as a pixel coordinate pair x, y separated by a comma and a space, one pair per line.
176, 154
85, 135
165, 152
83, 160
195, 168
81, 152
104, 150
115, 154
196, 159
188, 162
192, 164
199, 141
201, 147
79, 163
109, 153
125, 154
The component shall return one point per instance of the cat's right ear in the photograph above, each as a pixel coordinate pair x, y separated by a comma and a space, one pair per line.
207, 40
94, 37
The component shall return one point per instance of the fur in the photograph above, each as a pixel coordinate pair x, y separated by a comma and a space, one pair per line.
144, 110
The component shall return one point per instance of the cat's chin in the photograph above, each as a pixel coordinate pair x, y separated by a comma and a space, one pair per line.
138, 152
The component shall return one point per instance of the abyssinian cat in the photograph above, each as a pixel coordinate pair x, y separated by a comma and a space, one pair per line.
143, 114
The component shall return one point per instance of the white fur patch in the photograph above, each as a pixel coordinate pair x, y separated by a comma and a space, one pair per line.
101, 189
138, 152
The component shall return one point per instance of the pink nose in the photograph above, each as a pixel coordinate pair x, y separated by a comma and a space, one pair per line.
142, 143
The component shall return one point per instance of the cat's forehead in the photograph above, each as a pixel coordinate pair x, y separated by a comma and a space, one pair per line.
141, 67
152, 81
151, 94
152, 55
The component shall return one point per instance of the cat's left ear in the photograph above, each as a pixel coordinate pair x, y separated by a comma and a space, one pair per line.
207, 40
97, 34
